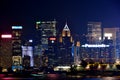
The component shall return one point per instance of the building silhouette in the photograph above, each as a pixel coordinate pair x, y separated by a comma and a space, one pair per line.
65, 47
52, 51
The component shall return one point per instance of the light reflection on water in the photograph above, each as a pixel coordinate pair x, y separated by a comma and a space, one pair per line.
93, 78
60, 77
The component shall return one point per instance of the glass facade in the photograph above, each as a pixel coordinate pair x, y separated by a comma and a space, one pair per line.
17, 45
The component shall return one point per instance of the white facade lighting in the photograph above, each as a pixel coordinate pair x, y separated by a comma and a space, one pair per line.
95, 45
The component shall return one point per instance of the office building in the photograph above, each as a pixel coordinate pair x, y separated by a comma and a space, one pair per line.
6, 51
27, 54
17, 47
65, 47
77, 54
94, 32
112, 35
44, 30
52, 51
118, 44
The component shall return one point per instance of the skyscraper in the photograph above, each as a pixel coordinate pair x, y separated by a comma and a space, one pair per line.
118, 44
77, 53
44, 30
52, 51
16, 46
65, 44
6, 51
27, 54
112, 34
94, 32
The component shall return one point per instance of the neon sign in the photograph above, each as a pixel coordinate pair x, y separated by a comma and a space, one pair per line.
6, 36
95, 45
17, 27
52, 39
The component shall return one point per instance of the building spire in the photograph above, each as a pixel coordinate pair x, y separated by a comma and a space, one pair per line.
66, 28
66, 31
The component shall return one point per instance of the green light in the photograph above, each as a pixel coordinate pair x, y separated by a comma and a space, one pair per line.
38, 22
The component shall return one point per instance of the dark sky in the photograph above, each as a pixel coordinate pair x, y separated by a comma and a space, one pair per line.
76, 12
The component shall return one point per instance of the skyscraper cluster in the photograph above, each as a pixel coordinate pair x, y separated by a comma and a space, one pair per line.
53, 48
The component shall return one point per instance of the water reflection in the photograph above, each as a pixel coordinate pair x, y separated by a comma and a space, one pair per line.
12, 78
73, 77
57, 77
53, 76
110, 78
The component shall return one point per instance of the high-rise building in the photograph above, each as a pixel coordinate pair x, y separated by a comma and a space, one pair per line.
94, 32
76, 51
17, 47
98, 47
65, 47
44, 30
27, 54
112, 35
118, 44
6, 51
105, 49
93, 37
52, 51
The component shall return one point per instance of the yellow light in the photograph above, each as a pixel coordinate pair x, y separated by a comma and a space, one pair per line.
4, 70
99, 67
87, 67
14, 70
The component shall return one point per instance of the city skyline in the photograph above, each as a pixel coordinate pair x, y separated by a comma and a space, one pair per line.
64, 49
48, 39
77, 13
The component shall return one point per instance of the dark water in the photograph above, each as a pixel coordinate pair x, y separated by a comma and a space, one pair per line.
55, 77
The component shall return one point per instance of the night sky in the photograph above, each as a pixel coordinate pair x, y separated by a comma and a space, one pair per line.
76, 12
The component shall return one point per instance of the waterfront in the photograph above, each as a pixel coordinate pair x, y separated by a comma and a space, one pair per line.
51, 76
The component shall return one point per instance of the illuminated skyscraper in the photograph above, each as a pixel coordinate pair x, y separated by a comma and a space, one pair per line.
52, 51
108, 52
17, 46
118, 44
94, 32
6, 50
65, 44
44, 30
27, 54
112, 34
77, 53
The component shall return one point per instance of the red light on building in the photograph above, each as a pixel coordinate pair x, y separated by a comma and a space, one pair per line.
53, 39
6, 36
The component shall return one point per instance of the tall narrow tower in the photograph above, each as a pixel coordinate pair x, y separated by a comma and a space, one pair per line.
17, 46
65, 44
77, 53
